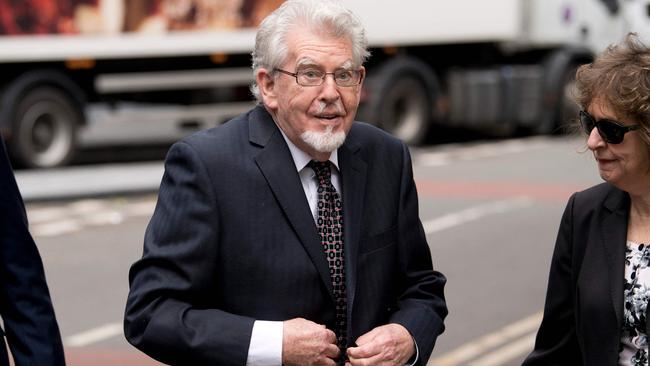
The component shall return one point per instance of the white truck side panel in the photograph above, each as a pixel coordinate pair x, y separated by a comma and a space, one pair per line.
388, 23
525, 23
583, 22
55, 47
411, 22
551, 22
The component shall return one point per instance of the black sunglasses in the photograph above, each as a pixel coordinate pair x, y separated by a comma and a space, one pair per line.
611, 131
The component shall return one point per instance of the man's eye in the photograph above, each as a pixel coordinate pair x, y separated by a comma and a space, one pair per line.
312, 74
344, 75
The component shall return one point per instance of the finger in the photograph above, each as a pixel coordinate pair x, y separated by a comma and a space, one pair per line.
374, 360
364, 351
368, 337
330, 336
332, 351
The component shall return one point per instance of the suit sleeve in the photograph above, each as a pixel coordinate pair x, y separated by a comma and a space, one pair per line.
172, 309
556, 342
30, 324
421, 306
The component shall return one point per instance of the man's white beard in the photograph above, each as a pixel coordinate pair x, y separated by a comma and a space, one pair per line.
324, 142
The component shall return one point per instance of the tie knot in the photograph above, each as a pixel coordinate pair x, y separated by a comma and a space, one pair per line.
322, 169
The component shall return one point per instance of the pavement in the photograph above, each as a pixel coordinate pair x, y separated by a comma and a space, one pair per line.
89, 181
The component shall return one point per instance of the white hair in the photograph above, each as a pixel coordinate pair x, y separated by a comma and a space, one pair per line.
327, 16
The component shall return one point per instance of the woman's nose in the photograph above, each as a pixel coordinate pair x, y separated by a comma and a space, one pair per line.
595, 141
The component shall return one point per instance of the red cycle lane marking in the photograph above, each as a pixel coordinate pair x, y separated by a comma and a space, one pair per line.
107, 357
537, 191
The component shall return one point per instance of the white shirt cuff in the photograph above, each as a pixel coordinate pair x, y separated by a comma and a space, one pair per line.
265, 348
417, 353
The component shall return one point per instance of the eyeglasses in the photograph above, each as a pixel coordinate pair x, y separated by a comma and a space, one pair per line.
611, 131
314, 77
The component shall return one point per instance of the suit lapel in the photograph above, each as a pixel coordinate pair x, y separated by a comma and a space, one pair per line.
275, 163
353, 174
614, 235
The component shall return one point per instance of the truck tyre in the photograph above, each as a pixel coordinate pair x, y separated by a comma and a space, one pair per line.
559, 118
43, 128
401, 99
560, 109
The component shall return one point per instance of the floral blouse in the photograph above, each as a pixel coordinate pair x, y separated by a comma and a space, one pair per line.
636, 293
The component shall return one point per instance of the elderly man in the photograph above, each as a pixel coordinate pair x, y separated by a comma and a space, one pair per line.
30, 326
290, 235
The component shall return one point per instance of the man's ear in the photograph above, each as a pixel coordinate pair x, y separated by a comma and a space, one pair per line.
266, 85
362, 70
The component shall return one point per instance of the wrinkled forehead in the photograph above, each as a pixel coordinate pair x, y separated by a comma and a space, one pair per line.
308, 62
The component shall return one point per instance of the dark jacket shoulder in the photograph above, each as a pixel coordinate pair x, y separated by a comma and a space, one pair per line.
372, 137
599, 196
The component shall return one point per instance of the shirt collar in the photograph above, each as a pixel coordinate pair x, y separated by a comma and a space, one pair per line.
301, 158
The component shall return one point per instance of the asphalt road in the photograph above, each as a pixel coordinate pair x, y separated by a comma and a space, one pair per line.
490, 210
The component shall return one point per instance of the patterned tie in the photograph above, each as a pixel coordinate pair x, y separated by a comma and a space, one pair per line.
330, 228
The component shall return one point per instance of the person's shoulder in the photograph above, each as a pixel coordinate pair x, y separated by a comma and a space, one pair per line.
223, 137
595, 197
597, 192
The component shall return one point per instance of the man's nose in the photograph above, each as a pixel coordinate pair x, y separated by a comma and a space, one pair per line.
329, 89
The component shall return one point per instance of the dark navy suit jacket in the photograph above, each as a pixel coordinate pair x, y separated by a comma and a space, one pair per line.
25, 306
233, 240
583, 316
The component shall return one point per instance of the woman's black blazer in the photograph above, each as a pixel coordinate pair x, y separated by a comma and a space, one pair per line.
584, 301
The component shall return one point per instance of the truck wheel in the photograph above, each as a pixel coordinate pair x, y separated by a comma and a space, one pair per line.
44, 128
559, 109
559, 118
401, 99
405, 111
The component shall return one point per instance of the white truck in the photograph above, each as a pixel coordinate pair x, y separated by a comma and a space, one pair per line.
79, 73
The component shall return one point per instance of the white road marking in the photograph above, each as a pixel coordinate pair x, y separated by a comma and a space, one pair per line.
55, 228
74, 216
475, 213
471, 350
87, 206
144, 208
45, 214
103, 218
94, 335
507, 352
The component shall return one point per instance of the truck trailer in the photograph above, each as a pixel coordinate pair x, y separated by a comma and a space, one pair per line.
80, 73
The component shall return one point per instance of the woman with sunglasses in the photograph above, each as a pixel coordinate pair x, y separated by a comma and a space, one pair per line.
599, 284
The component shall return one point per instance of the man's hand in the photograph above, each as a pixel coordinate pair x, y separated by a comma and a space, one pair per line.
389, 344
307, 343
